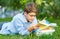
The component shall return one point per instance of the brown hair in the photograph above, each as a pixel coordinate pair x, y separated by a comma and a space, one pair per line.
30, 7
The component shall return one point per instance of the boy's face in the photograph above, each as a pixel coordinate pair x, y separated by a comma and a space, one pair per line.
30, 16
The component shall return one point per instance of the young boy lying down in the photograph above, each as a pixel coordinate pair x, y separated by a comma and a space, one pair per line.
23, 23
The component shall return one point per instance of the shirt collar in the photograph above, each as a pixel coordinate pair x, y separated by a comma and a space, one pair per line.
24, 18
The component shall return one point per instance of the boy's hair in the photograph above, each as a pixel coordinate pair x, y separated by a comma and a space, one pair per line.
30, 7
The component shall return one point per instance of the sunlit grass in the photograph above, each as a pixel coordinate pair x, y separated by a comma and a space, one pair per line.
55, 35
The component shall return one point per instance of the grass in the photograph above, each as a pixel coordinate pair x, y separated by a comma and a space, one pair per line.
5, 19
56, 34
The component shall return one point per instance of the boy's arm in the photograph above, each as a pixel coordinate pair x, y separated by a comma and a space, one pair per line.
33, 27
20, 27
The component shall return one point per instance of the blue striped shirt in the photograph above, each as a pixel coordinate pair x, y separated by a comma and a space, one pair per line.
18, 24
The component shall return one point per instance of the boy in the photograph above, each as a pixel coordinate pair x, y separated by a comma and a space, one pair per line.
23, 23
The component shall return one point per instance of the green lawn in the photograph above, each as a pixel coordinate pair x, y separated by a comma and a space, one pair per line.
56, 34
5, 19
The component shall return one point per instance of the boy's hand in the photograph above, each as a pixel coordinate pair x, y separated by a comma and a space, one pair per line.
33, 27
36, 26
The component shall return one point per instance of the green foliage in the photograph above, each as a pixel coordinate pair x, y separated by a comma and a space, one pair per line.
15, 4
46, 8
49, 8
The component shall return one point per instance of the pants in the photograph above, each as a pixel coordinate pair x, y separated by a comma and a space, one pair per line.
1, 23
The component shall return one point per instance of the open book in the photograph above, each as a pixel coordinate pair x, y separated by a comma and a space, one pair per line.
45, 27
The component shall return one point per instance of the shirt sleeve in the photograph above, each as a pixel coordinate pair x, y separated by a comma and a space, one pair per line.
20, 27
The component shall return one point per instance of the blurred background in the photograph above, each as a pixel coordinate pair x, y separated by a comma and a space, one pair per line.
46, 8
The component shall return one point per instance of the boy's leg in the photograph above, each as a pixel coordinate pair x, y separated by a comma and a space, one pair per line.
1, 23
